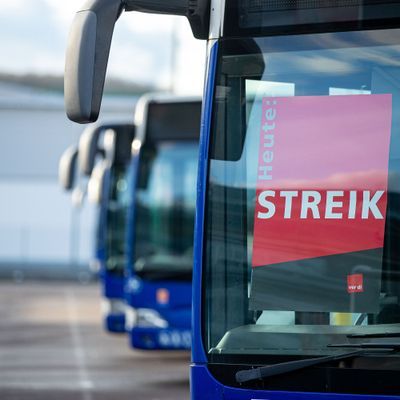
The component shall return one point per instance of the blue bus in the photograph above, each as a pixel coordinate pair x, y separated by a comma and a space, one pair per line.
108, 188
296, 290
161, 222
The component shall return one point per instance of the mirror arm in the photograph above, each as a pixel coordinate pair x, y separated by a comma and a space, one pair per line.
196, 11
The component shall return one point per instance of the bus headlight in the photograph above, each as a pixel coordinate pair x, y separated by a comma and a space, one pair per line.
112, 306
94, 266
130, 318
145, 318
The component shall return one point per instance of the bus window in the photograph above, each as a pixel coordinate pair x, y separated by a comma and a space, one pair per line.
116, 219
302, 205
165, 204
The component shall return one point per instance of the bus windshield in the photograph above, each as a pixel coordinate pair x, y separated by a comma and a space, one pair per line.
303, 199
117, 206
164, 211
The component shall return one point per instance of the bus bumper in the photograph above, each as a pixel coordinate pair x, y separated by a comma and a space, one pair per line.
160, 338
113, 315
203, 386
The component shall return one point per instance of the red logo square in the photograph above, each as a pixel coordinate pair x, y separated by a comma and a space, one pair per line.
355, 283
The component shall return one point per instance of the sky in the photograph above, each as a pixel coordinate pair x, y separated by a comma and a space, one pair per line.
33, 36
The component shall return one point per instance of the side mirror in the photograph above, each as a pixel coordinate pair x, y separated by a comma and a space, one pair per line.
88, 48
67, 168
89, 148
89, 45
98, 183
117, 138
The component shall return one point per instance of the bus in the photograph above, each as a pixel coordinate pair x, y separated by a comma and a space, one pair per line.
296, 289
160, 224
108, 188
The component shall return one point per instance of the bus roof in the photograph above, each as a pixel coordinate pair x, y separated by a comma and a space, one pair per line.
148, 102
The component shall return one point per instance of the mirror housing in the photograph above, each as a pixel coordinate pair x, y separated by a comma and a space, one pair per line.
119, 138
87, 54
89, 45
97, 186
89, 148
67, 168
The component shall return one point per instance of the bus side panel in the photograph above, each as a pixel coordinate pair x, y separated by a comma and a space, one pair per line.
198, 354
113, 286
202, 385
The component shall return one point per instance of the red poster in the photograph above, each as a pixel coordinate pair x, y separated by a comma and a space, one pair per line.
322, 177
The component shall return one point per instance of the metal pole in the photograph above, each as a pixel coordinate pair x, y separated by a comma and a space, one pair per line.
173, 55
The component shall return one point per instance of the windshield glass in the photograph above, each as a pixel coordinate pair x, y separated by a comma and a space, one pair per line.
116, 219
164, 210
303, 195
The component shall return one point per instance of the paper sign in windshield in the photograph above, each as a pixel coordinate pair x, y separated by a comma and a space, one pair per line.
322, 176
321, 184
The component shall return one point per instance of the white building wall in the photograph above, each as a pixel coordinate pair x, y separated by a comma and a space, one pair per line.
38, 223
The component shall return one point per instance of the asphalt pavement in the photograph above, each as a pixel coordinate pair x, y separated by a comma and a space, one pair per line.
52, 346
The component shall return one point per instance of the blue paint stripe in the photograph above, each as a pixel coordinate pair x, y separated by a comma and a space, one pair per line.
198, 352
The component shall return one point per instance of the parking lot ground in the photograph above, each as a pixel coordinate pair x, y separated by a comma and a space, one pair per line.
53, 346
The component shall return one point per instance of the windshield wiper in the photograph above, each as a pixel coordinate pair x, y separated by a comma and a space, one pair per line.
374, 335
282, 368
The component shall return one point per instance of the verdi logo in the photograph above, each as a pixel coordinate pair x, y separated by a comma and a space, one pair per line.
355, 283
322, 177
